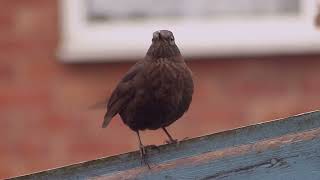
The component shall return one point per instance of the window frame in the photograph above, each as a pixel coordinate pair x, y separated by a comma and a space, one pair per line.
82, 41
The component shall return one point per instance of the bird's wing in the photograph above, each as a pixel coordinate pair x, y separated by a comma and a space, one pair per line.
124, 91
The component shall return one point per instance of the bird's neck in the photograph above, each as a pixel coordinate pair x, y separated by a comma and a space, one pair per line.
156, 52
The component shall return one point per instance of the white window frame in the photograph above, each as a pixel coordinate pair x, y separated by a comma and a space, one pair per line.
84, 42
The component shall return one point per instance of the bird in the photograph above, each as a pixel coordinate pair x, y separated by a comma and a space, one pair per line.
155, 92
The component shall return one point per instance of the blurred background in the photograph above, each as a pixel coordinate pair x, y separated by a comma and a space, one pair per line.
58, 58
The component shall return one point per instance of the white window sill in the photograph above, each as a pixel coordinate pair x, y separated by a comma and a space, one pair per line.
83, 42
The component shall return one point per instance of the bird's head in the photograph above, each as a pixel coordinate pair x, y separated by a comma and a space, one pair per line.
163, 45
163, 37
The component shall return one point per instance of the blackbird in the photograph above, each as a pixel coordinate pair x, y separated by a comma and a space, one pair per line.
155, 92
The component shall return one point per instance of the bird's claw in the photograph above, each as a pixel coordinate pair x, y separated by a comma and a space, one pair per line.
175, 141
143, 155
185, 138
172, 141
152, 146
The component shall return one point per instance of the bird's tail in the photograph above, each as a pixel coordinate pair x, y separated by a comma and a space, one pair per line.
106, 121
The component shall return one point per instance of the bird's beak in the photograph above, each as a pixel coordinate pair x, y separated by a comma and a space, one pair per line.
156, 35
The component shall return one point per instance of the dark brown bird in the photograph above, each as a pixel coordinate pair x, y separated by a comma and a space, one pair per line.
155, 92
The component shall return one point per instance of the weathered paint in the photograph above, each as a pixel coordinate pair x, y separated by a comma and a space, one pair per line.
282, 149
237, 151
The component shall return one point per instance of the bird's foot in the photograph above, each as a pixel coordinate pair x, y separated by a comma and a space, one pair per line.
185, 138
172, 141
175, 141
152, 146
143, 155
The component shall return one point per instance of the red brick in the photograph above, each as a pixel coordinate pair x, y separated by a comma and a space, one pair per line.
6, 73
311, 83
44, 103
24, 97
6, 24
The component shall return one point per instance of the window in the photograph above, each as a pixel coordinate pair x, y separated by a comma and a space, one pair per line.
106, 30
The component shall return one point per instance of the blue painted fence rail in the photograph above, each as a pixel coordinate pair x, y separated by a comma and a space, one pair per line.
288, 148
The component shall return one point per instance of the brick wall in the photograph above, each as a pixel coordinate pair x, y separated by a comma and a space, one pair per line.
44, 116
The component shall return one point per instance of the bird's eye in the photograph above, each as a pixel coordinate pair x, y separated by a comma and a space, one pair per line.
171, 38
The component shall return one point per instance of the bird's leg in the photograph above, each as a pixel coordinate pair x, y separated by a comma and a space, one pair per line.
143, 152
171, 140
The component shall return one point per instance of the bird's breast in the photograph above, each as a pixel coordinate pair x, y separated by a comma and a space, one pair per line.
165, 82
161, 95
